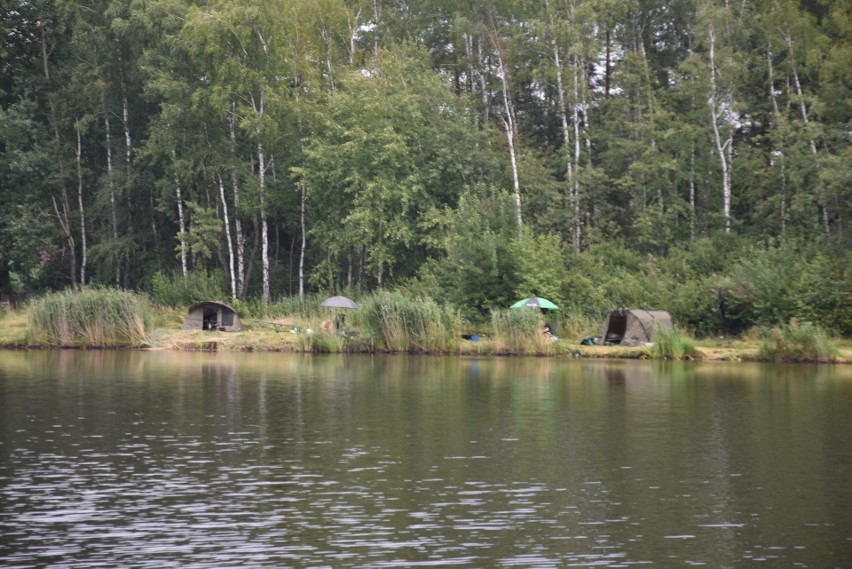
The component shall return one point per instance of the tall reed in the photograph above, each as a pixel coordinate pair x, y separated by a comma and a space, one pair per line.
797, 342
672, 344
409, 325
306, 308
520, 331
92, 316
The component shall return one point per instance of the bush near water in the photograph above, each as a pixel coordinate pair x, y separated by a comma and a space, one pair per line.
92, 316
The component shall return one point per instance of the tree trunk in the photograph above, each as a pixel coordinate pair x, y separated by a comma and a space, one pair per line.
181, 219
261, 157
65, 223
575, 117
228, 238
566, 142
111, 185
804, 110
238, 227
509, 127
85, 250
723, 148
303, 230
781, 157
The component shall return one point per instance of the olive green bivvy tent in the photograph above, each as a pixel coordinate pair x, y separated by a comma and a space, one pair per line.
633, 326
211, 315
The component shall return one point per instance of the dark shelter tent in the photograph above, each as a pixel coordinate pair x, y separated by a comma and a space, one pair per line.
633, 327
211, 315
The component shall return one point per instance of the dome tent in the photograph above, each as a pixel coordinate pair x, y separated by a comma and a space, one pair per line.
633, 326
212, 315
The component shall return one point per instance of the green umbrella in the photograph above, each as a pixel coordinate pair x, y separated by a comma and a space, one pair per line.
535, 302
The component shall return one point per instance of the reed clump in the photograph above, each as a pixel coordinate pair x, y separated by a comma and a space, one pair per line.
797, 342
91, 316
306, 307
404, 324
520, 332
326, 342
672, 344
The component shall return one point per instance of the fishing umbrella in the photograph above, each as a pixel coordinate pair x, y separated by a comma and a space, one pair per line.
535, 302
339, 302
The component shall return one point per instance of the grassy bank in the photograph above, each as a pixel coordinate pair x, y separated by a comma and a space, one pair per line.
386, 322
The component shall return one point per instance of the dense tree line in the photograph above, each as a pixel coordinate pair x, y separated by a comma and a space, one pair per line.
687, 153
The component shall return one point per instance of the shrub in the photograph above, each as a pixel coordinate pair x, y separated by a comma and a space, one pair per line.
797, 342
672, 344
326, 342
520, 332
90, 316
175, 290
306, 308
409, 325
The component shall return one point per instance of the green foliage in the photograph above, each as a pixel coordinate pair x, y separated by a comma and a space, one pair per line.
766, 279
304, 308
539, 265
326, 342
199, 285
672, 344
824, 294
90, 317
520, 331
402, 324
797, 342
203, 237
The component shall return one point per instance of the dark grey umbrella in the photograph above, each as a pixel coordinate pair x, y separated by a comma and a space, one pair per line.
339, 302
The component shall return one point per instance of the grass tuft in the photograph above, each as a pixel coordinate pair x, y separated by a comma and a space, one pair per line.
797, 342
674, 344
520, 332
416, 325
92, 316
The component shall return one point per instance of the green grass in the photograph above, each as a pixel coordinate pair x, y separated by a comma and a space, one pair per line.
520, 331
797, 342
672, 344
13, 327
90, 317
401, 324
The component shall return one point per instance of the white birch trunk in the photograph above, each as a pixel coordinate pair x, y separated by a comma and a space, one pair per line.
692, 192
181, 219
575, 117
128, 155
302, 206
804, 110
509, 127
566, 143
230, 242
723, 148
238, 227
85, 251
111, 184
261, 157
781, 156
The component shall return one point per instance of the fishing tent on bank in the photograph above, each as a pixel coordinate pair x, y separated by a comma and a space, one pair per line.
633, 326
212, 315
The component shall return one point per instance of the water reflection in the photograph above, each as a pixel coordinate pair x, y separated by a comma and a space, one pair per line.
212, 460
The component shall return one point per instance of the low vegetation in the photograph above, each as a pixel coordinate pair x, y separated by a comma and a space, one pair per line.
386, 322
96, 317
401, 324
520, 332
674, 344
797, 342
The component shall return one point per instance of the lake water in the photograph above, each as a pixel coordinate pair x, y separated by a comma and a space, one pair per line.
150, 459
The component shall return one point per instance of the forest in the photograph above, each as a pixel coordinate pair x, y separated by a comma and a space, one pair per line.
686, 155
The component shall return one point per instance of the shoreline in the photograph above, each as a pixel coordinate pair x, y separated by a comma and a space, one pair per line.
720, 350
